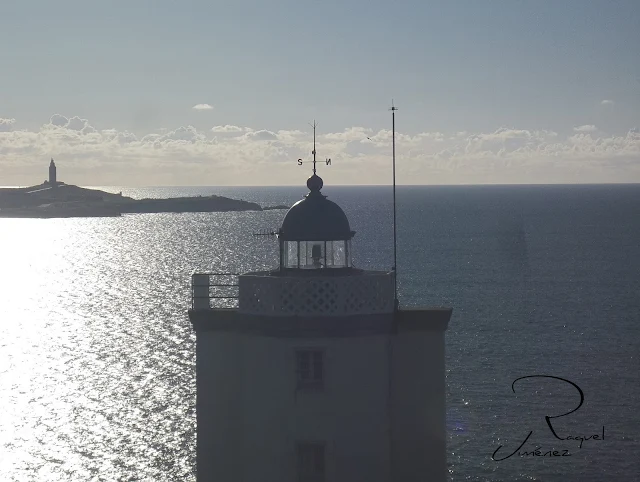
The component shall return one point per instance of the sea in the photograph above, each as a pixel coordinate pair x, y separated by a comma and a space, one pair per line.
97, 353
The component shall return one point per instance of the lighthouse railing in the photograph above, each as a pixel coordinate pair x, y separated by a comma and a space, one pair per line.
217, 288
370, 292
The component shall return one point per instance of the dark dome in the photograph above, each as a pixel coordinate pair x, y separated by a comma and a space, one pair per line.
315, 218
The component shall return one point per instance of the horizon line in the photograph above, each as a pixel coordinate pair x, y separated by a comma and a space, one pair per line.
340, 185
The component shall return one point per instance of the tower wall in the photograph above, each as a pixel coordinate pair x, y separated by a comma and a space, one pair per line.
419, 396
251, 414
218, 406
376, 427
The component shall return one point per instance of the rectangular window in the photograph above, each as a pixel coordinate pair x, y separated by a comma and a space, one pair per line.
292, 253
328, 253
302, 254
310, 461
310, 369
339, 254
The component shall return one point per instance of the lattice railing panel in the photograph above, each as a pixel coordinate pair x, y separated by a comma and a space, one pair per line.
319, 296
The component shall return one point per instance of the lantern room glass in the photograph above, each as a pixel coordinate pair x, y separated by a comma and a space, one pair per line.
316, 254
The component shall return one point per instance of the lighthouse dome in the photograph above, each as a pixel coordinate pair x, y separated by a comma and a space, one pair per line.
315, 218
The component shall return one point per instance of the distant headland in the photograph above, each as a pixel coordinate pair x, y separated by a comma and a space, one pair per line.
55, 199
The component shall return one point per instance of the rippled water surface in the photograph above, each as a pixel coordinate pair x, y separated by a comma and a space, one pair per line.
97, 353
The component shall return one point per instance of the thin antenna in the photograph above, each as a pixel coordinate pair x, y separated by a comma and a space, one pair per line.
314, 125
393, 110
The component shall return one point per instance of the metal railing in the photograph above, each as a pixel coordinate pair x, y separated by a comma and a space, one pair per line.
206, 291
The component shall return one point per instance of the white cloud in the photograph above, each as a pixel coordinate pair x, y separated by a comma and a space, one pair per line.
188, 133
185, 155
607, 102
202, 107
74, 123
229, 129
119, 137
58, 120
261, 135
6, 124
350, 134
77, 124
585, 128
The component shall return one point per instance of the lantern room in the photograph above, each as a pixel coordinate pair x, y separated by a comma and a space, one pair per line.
315, 234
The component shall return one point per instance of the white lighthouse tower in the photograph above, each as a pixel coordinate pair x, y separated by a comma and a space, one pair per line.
317, 375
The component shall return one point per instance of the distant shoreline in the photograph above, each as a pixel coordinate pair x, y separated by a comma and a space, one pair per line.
67, 200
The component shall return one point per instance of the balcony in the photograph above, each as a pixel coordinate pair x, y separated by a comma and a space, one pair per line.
214, 291
273, 294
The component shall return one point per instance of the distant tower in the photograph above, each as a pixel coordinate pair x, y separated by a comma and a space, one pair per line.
52, 173
316, 376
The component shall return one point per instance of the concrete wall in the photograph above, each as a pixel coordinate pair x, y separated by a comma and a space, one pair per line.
419, 408
381, 413
250, 414
219, 360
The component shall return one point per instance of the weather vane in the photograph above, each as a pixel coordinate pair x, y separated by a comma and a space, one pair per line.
327, 160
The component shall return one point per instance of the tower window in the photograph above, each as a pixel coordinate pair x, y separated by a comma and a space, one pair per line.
310, 369
311, 461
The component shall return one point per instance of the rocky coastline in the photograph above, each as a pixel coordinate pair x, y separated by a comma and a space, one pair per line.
67, 200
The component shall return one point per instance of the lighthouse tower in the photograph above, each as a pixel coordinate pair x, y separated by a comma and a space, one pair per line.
52, 174
317, 375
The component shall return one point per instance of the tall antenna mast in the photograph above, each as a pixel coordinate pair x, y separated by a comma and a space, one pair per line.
314, 125
393, 110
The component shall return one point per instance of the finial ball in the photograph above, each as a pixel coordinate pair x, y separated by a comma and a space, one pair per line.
314, 183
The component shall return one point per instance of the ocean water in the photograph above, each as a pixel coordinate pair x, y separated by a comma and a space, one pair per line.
97, 352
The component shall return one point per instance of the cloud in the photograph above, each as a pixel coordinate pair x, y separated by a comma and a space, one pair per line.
607, 102
261, 135
228, 129
74, 123
202, 107
118, 137
585, 128
6, 124
186, 155
77, 124
188, 134
350, 134
58, 120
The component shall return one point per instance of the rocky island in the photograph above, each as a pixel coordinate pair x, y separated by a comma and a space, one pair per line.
55, 199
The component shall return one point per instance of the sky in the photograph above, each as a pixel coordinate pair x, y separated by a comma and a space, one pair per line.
158, 92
